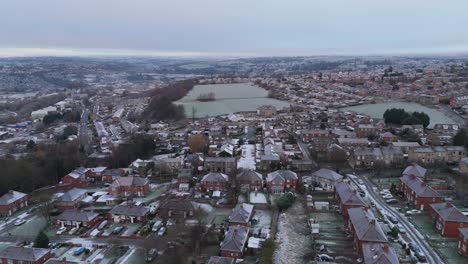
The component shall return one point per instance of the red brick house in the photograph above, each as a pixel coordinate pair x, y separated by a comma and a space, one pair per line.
250, 180
448, 219
214, 181
463, 242
241, 215
129, 213
281, 181
183, 179
28, 255
234, 242
71, 199
111, 174
12, 201
418, 193
95, 174
347, 197
376, 253
130, 186
76, 178
364, 227
308, 135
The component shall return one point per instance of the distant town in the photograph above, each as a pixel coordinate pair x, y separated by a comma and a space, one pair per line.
255, 160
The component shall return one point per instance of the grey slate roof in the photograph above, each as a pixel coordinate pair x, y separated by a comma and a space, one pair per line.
11, 197
235, 239
282, 174
23, 253
328, 174
241, 213
419, 187
72, 195
130, 210
348, 196
129, 181
184, 205
249, 175
449, 212
415, 170
220, 159
365, 225
215, 176
374, 253
76, 215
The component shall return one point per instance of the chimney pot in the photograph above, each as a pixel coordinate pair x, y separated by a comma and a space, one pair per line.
385, 248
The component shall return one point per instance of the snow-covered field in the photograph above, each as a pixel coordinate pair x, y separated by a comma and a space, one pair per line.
293, 240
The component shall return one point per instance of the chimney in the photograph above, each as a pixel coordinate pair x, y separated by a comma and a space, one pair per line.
372, 221
366, 209
385, 248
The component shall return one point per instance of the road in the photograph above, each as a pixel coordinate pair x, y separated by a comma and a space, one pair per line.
414, 234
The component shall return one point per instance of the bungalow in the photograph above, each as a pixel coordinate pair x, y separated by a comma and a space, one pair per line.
347, 197
417, 192
325, 178
214, 181
463, 242
281, 180
448, 219
25, 255
77, 218
129, 213
12, 201
375, 253
177, 208
250, 180
241, 215
364, 227
71, 199
129, 186
234, 242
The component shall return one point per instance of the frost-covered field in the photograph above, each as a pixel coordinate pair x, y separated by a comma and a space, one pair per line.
293, 239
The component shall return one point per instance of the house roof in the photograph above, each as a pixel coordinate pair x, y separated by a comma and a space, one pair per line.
241, 213
419, 186
215, 176
183, 205
235, 239
282, 174
129, 181
11, 197
24, 253
348, 195
72, 195
220, 159
374, 253
249, 175
415, 170
365, 225
130, 210
76, 215
449, 212
328, 174
221, 260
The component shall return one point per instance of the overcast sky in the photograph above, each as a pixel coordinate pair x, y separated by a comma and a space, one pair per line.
234, 27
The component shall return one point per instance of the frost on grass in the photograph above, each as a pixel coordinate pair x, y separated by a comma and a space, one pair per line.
293, 239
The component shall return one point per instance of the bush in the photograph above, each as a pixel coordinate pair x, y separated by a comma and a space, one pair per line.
285, 201
41, 241
266, 256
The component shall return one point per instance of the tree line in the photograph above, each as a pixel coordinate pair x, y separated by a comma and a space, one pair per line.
399, 116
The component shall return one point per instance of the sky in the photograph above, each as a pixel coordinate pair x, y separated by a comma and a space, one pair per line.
232, 27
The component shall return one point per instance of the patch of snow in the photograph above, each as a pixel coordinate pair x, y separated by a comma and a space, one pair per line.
258, 198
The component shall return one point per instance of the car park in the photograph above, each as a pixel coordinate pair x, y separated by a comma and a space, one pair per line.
61, 230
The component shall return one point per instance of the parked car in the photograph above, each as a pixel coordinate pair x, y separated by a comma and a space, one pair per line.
392, 219
413, 247
413, 212
420, 256
391, 201
162, 231
73, 231
102, 225
401, 229
61, 230
387, 196
79, 251
117, 230
156, 226
385, 191
19, 222
361, 182
324, 257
